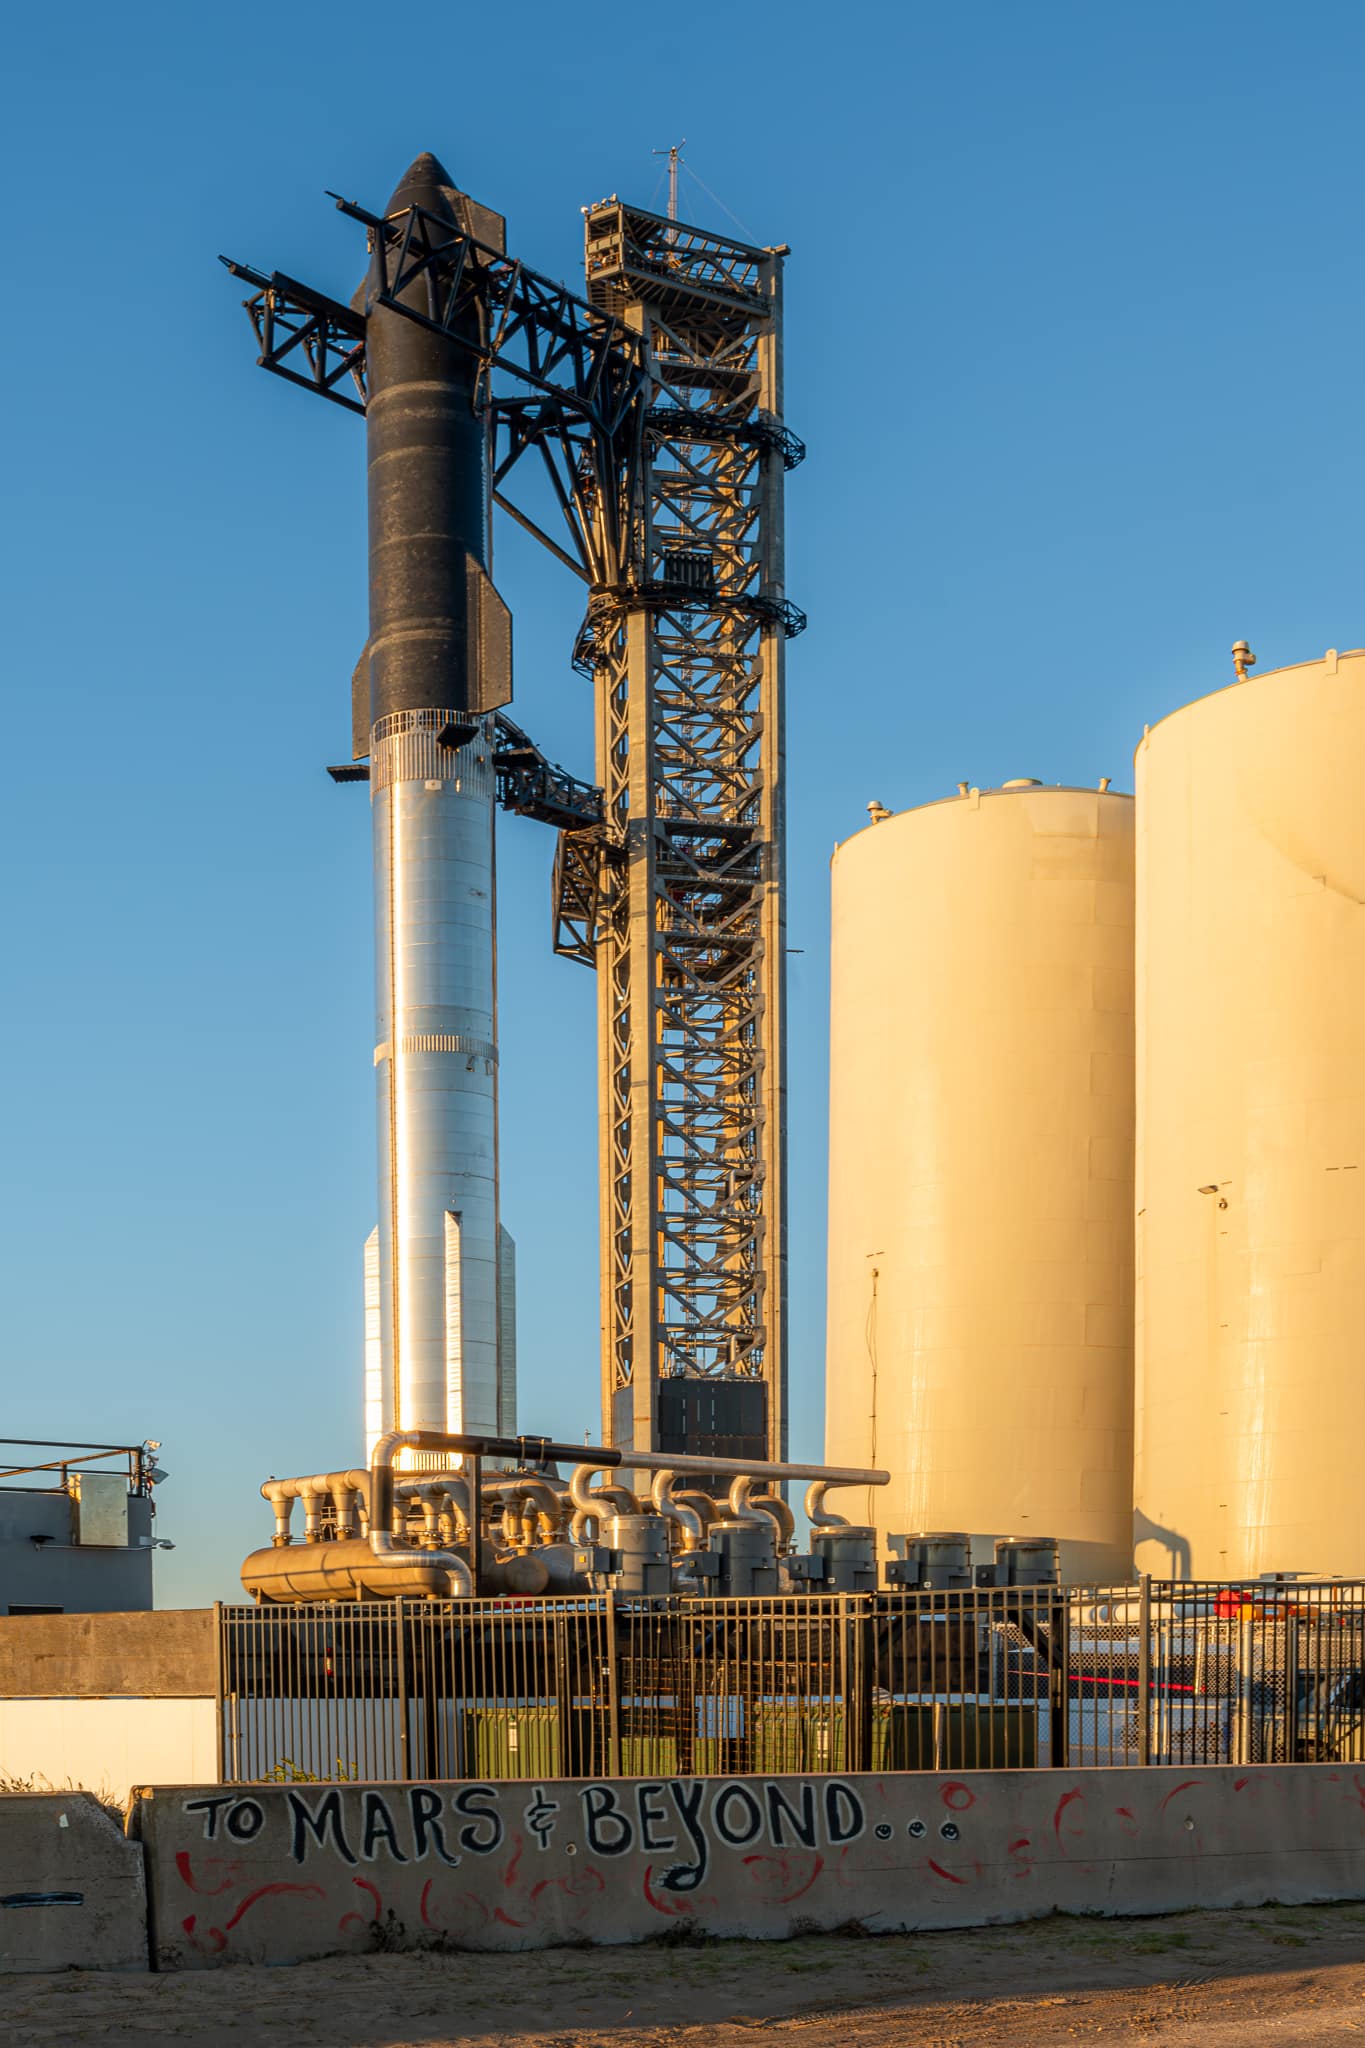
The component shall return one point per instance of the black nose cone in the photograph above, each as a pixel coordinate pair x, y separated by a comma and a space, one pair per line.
427, 183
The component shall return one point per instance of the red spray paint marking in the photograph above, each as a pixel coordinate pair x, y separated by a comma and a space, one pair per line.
509, 1876
1188, 1786
349, 1921
1018, 1850
1240, 1784
506, 1918
424, 1907
207, 1891
588, 1880
467, 1898
1062, 1805
782, 1867
272, 1891
950, 1875
216, 1937
215, 1941
958, 1796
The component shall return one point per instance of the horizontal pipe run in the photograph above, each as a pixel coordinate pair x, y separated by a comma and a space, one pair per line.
525, 1449
730, 1468
531, 1450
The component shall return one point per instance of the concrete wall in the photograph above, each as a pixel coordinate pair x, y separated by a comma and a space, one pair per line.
108, 1745
278, 1873
42, 1564
72, 1892
168, 1655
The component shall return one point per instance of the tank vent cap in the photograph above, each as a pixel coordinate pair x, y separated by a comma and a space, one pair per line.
1023, 782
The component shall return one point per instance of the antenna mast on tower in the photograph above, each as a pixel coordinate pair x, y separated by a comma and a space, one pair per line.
675, 157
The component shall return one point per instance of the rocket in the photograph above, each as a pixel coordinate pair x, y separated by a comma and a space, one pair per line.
436, 665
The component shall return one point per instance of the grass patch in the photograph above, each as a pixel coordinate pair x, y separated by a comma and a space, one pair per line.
1153, 1943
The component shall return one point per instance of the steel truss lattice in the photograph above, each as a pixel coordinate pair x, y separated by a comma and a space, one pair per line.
688, 655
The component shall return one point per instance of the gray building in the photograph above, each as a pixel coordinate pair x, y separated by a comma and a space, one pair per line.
76, 1527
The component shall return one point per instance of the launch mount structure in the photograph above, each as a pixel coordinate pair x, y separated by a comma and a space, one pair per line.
654, 407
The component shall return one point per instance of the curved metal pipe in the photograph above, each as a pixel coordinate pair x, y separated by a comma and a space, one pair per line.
432, 1501
527, 1450
701, 1504
450, 1489
817, 1514
315, 1482
738, 1503
686, 1516
744, 1506
383, 1543
518, 1523
311, 1488
523, 1450
596, 1503
283, 1504
314, 1498
541, 1507
774, 1505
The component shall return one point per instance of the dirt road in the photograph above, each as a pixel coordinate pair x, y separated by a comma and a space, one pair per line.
1281, 1975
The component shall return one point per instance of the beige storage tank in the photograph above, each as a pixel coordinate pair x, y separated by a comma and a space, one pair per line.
981, 1170
1251, 1128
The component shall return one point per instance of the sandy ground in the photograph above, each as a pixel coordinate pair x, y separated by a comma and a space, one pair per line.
1280, 1975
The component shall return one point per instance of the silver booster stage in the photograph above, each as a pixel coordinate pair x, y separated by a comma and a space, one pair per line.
437, 663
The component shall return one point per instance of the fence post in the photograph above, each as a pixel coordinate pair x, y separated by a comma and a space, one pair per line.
218, 1689
1291, 1689
1059, 1680
613, 1692
401, 1632
857, 1639
1244, 1740
1144, 1724
473, 1466
426, 1668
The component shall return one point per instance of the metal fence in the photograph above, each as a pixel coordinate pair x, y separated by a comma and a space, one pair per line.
613, 1686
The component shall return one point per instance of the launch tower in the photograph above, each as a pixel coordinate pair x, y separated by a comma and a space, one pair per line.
654, 406
688, 648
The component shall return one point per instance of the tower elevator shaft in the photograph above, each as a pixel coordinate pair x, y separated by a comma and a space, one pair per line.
688, 652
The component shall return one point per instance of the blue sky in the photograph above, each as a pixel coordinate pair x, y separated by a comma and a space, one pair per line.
1073, 335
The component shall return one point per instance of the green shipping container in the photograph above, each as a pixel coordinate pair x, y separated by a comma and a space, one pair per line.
513, 1742
972, 1737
